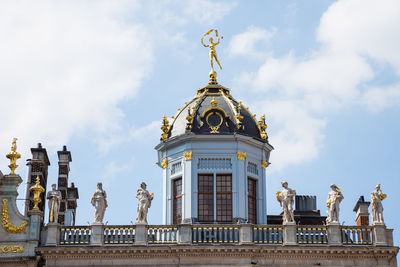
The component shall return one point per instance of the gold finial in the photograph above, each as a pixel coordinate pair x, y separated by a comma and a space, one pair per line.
214, 102
213, 54
37, 190
165, 128
13, 156
262, 127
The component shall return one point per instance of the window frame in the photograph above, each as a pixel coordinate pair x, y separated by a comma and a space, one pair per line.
175, 200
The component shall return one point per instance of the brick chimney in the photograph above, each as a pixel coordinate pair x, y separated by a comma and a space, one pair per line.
361, 210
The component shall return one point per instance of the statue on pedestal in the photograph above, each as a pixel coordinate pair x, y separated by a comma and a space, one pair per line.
54, 197
285, 198
144, 203
377, 209
99, 203
333, 202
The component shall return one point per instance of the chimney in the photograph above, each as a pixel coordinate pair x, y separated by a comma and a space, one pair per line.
361, 210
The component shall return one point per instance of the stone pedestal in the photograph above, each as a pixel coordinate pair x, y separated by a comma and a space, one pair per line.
334, 234
289, 234
379, 231
35, 223
53, 235
96, 239
141, 234
185, 234
246, 234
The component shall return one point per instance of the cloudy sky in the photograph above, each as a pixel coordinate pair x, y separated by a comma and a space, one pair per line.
98, 76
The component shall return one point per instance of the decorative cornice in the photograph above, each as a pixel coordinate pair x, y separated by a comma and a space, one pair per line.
264, 164
188, 155
349, 253
241, 155
164, 163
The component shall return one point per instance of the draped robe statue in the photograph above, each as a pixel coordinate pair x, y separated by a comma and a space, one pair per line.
144, 204
99, 202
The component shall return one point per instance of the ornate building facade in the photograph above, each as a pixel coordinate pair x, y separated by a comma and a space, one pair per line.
213, 153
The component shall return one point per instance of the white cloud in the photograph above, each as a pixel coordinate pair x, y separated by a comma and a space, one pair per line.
205, 11
244, 44
355, 37
65, 66
150, 132
376, 99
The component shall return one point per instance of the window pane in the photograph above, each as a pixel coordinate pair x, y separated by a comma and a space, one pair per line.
252, 200
206, 198
224, 197
177, 201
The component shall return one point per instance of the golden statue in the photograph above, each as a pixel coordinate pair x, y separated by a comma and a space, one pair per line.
37, 190
13, 156
213, 54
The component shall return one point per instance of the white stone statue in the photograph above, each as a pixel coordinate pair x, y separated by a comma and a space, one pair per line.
99, 202
335, 196
285, 198
377, 209
54, 197
144, 203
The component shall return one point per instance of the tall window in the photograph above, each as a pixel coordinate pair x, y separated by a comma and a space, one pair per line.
206, 198
177, 216
218, 197
224, 197
252, 200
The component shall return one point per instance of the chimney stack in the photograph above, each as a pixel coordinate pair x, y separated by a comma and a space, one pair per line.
361, 210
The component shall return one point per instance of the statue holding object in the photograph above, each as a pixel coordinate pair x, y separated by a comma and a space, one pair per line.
333, 202
377, 208
285, 198
99, 202
54, 197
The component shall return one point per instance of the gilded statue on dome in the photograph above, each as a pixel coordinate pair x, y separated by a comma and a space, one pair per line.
213, 54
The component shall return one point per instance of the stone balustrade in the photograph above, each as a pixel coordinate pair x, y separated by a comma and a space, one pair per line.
199, 234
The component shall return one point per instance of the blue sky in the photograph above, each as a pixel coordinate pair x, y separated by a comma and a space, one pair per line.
98, 76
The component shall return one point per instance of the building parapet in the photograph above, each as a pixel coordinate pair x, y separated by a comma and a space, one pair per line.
234, 234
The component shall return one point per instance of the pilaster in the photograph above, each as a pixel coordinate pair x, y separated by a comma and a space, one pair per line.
185, 234
246, 234
379, 230
52, 235
334, 234
289, 234
141, 234
97, 236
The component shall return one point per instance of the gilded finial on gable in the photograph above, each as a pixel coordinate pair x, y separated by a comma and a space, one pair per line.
13, 156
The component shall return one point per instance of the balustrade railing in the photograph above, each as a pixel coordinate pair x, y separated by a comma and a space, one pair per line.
211, 234
268, 234
356, 235
75, 235
162, 234
215, 234
311, 235
119, 234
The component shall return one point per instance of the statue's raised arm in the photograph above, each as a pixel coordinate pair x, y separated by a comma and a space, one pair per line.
202, 38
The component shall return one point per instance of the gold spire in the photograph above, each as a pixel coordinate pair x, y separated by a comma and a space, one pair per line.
37, 190
213, 54
13, 156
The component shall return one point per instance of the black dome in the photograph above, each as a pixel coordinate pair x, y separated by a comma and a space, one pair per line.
214, 111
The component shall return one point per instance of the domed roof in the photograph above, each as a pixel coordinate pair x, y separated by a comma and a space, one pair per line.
213, 111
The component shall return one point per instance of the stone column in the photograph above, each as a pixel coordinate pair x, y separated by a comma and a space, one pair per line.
185, 234
141, 234
289, 234
246, 234
334, 234
53, 234
379, 232
97, 237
